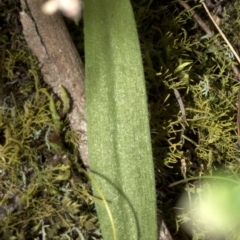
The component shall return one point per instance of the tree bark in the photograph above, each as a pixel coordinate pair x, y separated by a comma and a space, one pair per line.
49, 40
164, 233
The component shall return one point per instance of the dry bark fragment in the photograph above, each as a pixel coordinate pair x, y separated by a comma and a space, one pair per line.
50, 42
164, 233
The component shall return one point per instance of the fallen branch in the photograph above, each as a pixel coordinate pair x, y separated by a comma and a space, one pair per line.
50, 42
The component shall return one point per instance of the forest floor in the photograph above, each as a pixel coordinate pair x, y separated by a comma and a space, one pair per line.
192, 80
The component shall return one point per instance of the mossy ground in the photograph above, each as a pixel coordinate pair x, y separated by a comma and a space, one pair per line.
178, 54
44, 190
43, 187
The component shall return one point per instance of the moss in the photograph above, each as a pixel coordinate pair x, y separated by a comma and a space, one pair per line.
178, 55
44, 190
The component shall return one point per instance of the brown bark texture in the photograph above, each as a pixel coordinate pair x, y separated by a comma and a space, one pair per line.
164, 233
49, 40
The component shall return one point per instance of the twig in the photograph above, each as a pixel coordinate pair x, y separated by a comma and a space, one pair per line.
180, 102
204, 177
210, 33
184, 172
183, 111
236, 56
220, 31
200, 22
207, 31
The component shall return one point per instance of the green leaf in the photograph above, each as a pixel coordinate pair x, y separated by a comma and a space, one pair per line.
117, 118
182, 66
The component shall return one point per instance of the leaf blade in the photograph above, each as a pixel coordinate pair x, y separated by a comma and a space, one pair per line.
117, 117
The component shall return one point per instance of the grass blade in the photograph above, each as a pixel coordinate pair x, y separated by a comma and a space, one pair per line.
117, 117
